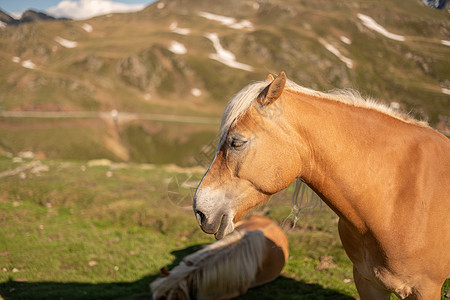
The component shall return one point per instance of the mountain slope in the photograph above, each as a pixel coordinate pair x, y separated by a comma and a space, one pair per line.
189, 57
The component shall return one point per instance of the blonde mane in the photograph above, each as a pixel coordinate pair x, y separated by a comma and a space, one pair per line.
239, 254
244, 99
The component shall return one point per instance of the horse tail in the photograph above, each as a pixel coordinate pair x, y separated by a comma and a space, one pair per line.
226, 267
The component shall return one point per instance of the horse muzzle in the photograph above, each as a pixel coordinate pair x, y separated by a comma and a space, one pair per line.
219, 225
213, 212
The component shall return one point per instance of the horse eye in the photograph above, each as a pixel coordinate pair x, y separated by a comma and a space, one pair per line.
236, 144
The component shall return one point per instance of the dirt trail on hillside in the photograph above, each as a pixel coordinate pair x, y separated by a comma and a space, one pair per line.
111, 115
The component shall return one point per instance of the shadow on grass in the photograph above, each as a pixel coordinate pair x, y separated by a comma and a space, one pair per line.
281, 288
288, 288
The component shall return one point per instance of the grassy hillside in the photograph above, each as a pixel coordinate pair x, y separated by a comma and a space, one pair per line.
128, 62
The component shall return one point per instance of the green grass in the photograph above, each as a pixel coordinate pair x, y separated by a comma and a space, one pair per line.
84, 139
161, 148
103, 232
79, 234
77, 139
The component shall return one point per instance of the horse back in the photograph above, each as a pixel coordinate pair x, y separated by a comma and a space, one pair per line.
276, 245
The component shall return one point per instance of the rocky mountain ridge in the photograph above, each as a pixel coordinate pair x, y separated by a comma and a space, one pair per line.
438, 4
26, 17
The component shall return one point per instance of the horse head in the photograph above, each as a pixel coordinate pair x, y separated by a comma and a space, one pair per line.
254, 160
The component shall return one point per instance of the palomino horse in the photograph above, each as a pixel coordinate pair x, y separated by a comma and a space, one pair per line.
252, 255
386, 175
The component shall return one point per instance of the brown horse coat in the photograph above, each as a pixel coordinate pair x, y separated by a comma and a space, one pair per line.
386, 175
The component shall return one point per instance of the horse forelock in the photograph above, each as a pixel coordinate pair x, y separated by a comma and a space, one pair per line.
238, 106
244, 99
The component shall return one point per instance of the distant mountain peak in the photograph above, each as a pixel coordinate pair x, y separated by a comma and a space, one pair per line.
7, 19
31, 16
438, 4
26, 17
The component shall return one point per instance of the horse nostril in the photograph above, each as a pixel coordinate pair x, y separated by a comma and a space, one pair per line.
200, 217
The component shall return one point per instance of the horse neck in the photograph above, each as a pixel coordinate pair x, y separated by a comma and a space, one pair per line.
345, 146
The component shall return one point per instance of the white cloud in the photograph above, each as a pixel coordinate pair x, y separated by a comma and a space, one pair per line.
15, 15
84, 9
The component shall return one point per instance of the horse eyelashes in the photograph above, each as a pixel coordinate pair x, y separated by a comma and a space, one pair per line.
236, 144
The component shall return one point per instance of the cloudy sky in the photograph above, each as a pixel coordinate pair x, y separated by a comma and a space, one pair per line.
75, 9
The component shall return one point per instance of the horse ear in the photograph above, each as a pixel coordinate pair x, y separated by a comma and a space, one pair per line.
269, 78
273, 91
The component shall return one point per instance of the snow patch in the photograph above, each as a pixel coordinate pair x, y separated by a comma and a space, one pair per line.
177, 48
227, 21
160, 5
66, 43
346, 40
87, 27
445, 91
174, 28
242, 25
446, 43
2, 24
371, 24
16, 59
224, 56
28, 64
335, 51
196, 92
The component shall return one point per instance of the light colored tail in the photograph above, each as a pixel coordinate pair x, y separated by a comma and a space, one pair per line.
224, 267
